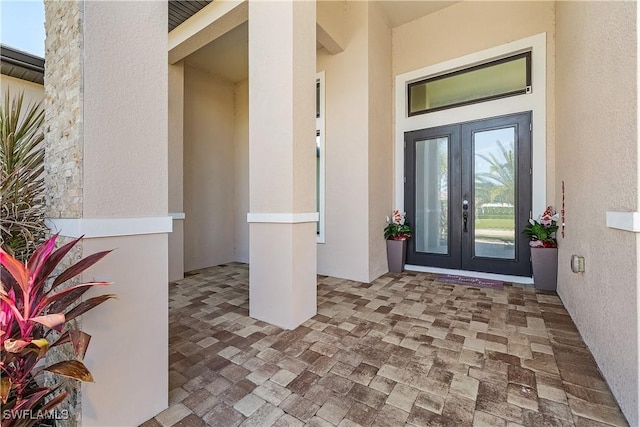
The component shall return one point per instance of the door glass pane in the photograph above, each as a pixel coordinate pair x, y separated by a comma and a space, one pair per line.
494, 193
432, 195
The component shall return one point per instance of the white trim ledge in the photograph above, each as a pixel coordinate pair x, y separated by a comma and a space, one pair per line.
177, 215
628, 221
109, 227
283, 218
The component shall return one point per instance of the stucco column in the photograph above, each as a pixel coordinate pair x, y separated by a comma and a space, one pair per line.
282, 232
106, 174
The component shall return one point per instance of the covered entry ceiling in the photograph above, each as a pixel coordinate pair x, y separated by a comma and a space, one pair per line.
227, 56
181, 10
398, 12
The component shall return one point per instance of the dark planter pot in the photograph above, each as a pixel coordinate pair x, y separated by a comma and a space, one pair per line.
545, 268
396, 255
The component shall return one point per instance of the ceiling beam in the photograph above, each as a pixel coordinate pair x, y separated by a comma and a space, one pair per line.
330, 17
211, 22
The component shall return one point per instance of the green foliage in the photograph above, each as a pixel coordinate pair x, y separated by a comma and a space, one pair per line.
543, 231
538, 231
397, 228
495, 223
498, 185
495, 212
397, 231
22, 188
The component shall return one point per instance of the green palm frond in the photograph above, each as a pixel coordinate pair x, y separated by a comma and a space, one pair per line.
22, 206
499, 183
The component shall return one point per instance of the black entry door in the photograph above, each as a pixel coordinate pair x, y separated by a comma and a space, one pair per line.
468, 195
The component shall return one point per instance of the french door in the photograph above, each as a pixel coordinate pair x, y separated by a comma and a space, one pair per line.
468, 195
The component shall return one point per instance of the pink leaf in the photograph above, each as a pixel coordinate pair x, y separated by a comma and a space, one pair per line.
53, 321
80, 342
15, 346
41, 255
87, 305
54, 259
78, 268
11, 304
67, 296
16, 269
31, 398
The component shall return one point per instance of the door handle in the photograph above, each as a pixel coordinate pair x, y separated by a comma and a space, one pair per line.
465, 215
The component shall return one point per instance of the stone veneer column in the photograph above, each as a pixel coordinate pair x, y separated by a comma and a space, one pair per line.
63, 155
106, 173
282, 232
63, 109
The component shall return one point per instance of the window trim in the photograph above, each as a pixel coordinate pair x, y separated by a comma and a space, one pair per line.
320, 128
527, 89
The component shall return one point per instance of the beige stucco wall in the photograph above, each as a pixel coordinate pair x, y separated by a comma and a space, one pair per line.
330, 28
175, 172
467, 27
241, 172
597, 154
216, 173
471, 26
33, 92
287, 146
208, 170
129, 346
282, 280
176, 136
380, 138
114, 104
346, 251
121, 121
176, 251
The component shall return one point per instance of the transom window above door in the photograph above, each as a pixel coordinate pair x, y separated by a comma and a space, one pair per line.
496, 79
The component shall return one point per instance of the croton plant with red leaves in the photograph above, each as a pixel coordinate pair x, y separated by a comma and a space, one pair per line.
32, 306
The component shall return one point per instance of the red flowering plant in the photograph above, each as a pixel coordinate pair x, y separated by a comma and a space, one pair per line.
397, 227
543, 231
32, 306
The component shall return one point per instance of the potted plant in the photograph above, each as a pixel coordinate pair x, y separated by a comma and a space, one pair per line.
544, 249
397, 232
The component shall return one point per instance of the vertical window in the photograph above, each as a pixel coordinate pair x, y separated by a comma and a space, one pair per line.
320, 155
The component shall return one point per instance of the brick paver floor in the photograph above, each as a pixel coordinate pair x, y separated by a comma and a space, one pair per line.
403, 350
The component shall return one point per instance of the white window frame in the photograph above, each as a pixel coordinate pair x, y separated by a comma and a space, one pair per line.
320, 127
